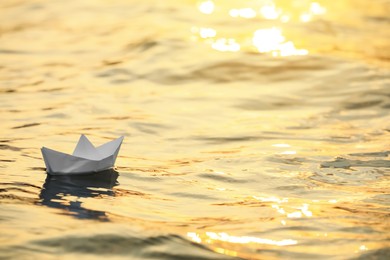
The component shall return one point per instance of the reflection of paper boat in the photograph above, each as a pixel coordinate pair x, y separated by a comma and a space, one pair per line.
85, 158
67, 192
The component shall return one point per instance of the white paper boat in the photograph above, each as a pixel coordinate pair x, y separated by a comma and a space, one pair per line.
85, 158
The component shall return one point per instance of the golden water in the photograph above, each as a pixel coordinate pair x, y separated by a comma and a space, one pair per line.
253, 129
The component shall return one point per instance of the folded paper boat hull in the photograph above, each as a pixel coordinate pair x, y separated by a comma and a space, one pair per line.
60, 163
85, 159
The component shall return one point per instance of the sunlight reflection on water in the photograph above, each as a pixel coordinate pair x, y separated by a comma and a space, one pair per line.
266, 40
221, 236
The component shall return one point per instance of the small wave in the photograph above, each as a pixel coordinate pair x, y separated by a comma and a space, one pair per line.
122, 246
222, 178
383, 253
348, 163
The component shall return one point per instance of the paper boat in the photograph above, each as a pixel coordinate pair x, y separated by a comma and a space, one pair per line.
85, 158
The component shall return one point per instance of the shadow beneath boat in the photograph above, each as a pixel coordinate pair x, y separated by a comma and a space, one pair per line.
66, 192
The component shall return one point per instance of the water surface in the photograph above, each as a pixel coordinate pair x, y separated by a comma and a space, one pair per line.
253, 129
